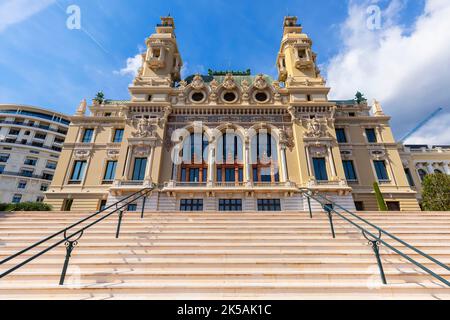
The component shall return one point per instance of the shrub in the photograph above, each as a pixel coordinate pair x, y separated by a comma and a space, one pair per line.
436, 192
25, 206
380, 200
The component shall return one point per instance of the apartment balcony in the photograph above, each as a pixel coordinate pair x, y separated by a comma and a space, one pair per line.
34, 126
27, 175
38, 145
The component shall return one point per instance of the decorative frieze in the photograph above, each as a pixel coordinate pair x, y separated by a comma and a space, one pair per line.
215, 119
82, 154
378, 154
318, 151
197, 82
260, 82
112, 154
141, 151
145, 128
287, 138
229, 82
346, 154
315, 128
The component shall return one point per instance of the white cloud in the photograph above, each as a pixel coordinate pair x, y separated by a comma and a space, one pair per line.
187, 69
405, 68
16, 11
133, 65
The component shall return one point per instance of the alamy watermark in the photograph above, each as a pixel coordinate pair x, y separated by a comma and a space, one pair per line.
373, 21
73, 21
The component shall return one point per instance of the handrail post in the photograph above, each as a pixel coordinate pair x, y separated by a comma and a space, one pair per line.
69, 248
330, 218
119, 224
375, 244
376, 250
143, 206
309, 206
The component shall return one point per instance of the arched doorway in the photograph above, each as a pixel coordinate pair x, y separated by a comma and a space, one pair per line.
194, 155
264, 159
229, 159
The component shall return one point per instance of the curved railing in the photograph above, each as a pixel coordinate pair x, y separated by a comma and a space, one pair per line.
374, 240
71, 239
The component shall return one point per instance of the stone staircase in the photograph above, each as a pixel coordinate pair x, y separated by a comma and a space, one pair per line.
224, 256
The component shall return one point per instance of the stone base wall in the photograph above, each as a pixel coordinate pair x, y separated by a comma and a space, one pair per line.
408, 202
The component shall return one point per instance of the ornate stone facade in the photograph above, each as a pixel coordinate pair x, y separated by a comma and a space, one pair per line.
230, 135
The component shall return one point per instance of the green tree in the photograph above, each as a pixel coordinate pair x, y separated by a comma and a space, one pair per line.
100, 97
380, 200
359, 97
436, 192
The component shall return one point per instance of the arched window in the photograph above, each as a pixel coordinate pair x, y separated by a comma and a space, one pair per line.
437, 171
422, 174
229, 158
264, 149
194, 167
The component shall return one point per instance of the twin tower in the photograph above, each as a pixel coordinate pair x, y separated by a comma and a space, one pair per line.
296, 62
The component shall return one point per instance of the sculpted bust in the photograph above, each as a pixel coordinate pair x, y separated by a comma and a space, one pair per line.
229, 83
214, 86
260, 82
292, 113
245, 89
197, 82
314, 128
145, 128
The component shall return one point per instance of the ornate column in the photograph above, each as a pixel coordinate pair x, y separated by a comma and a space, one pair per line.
127, 164
88, 165
148, 169
247, 164
284, 172
309, 162
380, 134
175, 159
331, 161
211, 152
94, 134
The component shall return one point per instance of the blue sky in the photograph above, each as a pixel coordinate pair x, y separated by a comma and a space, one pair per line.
45, 64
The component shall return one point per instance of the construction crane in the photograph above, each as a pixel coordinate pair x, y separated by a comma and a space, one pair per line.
421, 124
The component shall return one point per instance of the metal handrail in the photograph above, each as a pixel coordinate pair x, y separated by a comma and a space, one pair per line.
374, 240
70, 244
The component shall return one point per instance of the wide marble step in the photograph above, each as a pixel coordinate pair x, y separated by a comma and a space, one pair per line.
220, 255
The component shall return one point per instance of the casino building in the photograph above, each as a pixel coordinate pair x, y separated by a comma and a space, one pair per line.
231, 141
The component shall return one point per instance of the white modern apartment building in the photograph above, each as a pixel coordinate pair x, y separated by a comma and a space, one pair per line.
31, 140
421, 160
